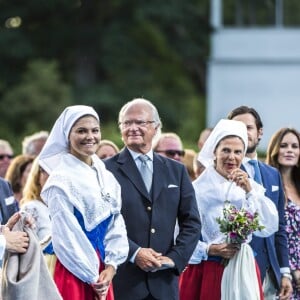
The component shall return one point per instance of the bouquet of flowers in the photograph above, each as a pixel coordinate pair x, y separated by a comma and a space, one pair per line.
237, 224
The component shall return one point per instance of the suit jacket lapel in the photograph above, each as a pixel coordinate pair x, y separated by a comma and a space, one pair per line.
129, 168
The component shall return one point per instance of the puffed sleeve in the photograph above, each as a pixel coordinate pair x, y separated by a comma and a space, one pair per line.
116, 242
70, 244
200, 253
268, 214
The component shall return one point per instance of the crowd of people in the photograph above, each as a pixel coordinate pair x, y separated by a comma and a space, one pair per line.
143, 222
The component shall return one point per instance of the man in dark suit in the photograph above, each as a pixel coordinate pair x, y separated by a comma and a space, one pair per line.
155, 258
8, 204
272, 252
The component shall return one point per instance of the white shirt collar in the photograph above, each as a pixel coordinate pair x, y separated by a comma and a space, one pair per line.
249, 168
135, 155
246, 159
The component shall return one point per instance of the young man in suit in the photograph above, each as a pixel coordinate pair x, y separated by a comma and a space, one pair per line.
150, 208
272, 252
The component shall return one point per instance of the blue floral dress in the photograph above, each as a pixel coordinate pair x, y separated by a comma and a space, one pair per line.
292, 219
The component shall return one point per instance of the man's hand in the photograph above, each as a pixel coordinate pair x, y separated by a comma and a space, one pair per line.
148, 259
16, 241
286, 289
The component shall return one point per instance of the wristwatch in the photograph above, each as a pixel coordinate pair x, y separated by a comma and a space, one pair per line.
287, 275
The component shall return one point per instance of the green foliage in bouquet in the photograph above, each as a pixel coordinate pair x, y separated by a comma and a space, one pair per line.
238, 224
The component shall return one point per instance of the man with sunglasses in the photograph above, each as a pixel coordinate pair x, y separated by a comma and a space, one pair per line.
170, 145
6, 155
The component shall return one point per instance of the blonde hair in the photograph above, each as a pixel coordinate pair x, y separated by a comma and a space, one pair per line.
32, 188
188, 161
108, 143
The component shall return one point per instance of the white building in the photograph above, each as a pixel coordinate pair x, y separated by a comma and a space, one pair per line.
254, 65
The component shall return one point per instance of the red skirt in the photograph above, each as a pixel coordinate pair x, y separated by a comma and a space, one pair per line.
203, 281
72, 288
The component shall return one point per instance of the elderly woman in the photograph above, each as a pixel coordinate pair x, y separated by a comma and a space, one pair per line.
224, 183
88, 232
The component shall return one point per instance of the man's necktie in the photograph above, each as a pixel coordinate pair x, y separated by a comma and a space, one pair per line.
145, 171
257, 175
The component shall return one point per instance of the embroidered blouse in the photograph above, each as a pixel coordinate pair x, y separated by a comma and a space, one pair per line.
212, 190
81, 200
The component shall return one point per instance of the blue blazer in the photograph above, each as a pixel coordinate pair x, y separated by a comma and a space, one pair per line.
150, 222
272, 252
8, 204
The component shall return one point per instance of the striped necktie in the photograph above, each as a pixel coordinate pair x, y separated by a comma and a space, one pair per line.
145, 171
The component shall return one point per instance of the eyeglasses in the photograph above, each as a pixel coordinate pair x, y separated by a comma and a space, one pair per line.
2, 156
172, 153
138, 123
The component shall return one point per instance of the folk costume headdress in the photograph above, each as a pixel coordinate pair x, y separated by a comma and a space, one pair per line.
221, 130
57, 143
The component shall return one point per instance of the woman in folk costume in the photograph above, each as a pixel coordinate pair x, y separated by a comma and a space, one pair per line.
224, 183
84, 199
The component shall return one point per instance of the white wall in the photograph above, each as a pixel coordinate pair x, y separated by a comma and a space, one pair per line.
258, 68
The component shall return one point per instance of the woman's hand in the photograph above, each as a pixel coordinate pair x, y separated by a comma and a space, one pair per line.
224, 250
296, 277
103, 282
241, 179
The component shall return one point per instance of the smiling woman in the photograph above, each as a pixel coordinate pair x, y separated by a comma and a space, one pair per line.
284, 154
84, 138
88, 232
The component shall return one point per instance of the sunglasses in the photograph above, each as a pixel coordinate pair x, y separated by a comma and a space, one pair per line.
2, 156
172, 153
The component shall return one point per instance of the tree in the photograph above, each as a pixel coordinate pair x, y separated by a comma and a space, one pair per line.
34, 103
109, 52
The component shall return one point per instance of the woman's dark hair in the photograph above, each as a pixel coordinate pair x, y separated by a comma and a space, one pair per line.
273, 150
228, 137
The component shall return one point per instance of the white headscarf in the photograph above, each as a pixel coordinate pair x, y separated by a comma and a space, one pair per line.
222, 129
58, 140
